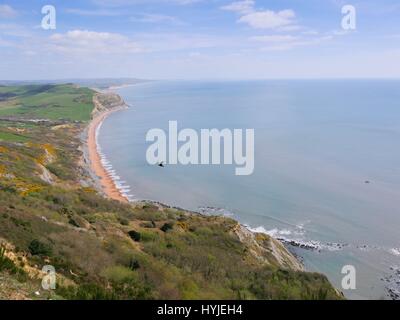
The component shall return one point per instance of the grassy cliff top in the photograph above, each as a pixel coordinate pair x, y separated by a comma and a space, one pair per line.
53, 102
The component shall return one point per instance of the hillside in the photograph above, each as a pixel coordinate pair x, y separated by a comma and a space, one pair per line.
51, 213
54, 102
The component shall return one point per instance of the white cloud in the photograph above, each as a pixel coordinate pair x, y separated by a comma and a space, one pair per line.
121, 3
167, 42
269, 19
274, 38
184, 2
7, 11
311, 32
84, 41
156, 18
242, 7
283, 20
287, 42
101, 12
14, 30
293, 27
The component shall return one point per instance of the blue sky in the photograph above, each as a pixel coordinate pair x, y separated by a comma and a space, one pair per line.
200, 39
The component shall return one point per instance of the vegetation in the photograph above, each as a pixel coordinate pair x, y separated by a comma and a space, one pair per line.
7, 265
103, 249
167, 226
46, 102
38, 248
135, 236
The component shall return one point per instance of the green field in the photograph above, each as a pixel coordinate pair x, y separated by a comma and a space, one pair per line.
54, 102
11, 137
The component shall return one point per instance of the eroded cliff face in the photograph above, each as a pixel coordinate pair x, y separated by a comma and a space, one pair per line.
267, 249
106, 101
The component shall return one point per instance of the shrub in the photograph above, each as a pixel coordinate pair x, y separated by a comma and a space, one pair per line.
119, 274
7, 264
124, 222
135, 236
87, 291
148, 225
167, 226
72, 222
147, 236
61, 170
134, 264
38, 248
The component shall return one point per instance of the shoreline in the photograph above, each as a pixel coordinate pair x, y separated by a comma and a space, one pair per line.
106, 183
109, 186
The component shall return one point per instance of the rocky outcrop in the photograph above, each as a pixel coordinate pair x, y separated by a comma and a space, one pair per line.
267, 249
106, 101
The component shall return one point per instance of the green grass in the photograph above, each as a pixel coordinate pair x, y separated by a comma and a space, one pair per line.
19, 125
12, 137
52, 102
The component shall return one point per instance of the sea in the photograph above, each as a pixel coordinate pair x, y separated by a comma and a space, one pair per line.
326, 177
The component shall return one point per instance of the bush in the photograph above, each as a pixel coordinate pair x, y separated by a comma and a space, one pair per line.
61, 169
124, 222
167, 226
38, 248
147, 236
119, 274
87, 291
148, 225
7, 264
135, 236
134, 264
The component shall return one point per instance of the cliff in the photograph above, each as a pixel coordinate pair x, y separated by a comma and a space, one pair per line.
106, 101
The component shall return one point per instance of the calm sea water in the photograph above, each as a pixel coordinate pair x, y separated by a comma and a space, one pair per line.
317, 143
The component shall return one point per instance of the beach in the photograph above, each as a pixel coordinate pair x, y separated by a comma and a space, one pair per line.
107, 182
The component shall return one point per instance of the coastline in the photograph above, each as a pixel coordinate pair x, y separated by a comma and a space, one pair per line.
109, 185
109, 234
105, 181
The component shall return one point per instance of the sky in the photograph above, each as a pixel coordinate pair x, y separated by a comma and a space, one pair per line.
200, 39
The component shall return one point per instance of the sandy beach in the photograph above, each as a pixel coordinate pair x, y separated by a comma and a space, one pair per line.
107, 183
